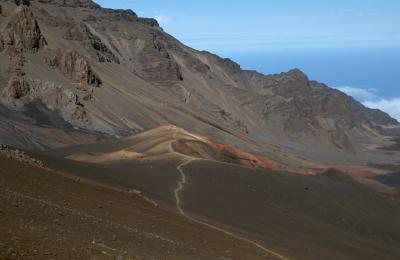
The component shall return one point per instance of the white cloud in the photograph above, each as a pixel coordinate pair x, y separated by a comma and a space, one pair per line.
163, 19
359, 93
390, 106
371, 99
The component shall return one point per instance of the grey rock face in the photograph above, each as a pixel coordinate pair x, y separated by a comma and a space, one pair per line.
21, 91
73, 66
81, 32
156, 62
77, 68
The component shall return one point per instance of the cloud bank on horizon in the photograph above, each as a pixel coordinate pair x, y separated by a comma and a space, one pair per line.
371, 99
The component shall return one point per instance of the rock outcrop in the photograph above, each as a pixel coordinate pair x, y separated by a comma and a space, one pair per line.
17, 87
73, 66
77, 68
156, 63
58, 98
81, 32
23, 32
21, 91
22, 35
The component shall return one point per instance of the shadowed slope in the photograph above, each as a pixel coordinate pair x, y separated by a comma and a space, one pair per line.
64, 218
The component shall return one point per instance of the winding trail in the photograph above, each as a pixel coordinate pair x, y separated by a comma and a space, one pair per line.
181, 184
187, 160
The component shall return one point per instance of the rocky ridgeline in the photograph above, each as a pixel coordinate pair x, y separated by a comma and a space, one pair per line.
60, 50
19, 155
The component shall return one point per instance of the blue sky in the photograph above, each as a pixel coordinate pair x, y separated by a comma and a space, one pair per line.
235, 25
353, 45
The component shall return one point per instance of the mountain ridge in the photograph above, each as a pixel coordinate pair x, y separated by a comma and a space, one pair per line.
110, 71
117, 140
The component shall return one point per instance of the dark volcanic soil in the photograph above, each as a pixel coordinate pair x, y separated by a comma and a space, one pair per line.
391, 180
309, 217
44, 215
330, 216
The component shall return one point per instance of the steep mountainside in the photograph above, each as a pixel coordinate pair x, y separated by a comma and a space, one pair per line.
116, 140
112, 72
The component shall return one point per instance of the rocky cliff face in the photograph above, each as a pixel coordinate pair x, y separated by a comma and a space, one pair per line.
21, 38
81, 32
76, 68
112, 71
